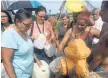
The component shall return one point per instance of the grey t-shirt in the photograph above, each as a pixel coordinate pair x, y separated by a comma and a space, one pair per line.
62, 31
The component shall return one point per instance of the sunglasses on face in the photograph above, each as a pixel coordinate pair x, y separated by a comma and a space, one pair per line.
3, 16
28, 25
41, 16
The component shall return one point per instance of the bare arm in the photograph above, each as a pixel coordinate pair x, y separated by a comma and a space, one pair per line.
38, 61
95, 62
92, 22
6, 57
99, 51
57, 41
64, 40
95, 32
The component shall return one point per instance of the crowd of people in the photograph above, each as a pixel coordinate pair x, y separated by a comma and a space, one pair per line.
19, 51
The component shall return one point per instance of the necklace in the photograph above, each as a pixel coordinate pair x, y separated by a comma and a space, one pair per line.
78, 35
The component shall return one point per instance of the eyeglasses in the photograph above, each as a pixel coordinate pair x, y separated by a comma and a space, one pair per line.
42, 16
28, 25
3, 16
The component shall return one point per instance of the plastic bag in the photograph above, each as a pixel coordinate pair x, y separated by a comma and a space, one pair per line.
2, 71
50, 49
41, 72
56, 53
39, 42
54, 64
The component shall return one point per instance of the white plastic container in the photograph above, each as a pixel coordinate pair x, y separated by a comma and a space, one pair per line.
40, 41
41, 72
50, 50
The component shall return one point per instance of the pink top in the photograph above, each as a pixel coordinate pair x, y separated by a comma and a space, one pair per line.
48, 32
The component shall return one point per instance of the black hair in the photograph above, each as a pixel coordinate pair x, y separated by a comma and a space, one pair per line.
8, 15
22, 15
40, 8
